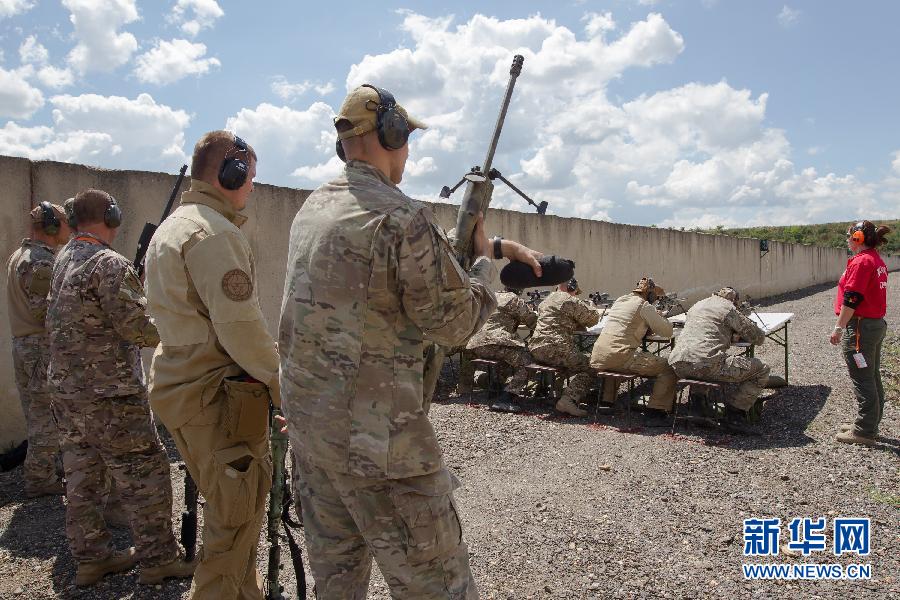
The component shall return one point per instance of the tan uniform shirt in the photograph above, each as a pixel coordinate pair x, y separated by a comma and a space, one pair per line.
28, 274
627, 323
501, 328
371, 278
203, 295
708, 330
560, 315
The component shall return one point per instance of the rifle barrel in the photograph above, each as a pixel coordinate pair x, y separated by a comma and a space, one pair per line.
514, 71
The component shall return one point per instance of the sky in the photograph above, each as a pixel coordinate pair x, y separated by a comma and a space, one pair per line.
665, 112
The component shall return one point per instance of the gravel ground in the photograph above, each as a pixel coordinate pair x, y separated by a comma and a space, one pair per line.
567, 508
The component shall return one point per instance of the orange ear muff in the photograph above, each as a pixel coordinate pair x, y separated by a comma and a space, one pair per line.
858, 236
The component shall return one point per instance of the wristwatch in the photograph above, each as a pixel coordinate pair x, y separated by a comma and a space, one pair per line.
498, 249
838, 329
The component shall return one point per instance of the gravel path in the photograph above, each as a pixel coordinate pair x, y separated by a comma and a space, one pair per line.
565, 508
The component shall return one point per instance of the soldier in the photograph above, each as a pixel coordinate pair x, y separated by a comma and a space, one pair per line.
560, 315
97, 323
215, 371
618, 348
371, 278
710, 327
498, 340
29, 270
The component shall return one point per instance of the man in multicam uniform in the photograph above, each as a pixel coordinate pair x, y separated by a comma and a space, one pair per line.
498, 340
711, 326
371, 278
97, 323
215, 371
29, 270
618, 347
560, 315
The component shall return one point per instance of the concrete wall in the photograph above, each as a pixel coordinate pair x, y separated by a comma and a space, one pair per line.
609, 257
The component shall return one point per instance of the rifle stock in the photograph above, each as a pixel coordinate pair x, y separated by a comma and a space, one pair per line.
276, 500
477, 198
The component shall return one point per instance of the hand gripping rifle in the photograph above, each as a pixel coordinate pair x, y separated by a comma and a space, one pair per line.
150, 228
279, 515
479, 189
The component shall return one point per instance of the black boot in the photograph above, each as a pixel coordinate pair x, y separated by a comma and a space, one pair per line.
507, 402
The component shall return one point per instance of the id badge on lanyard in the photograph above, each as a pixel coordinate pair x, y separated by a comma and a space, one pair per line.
858, 357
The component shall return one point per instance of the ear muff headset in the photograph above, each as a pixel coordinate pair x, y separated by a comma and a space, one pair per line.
652, 297
112, 216
572, 286
857, 234
339, 150
391, 125
69, 207
49, 221
233, 172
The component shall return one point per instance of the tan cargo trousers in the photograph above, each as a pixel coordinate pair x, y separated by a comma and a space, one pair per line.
645, 364
234, 478
410, 525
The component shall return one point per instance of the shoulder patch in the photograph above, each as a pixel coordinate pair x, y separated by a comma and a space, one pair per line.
237, 285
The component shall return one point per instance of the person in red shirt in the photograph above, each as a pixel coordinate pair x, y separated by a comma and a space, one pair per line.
860, 306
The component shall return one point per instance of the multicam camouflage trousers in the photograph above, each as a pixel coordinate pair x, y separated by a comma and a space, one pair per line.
512, 361
115, 433
751, 373
42, 464
645, 364
410, 525
575, 366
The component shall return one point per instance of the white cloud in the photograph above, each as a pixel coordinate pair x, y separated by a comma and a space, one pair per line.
33, 52
204, 12
788, 16
18, 98
55, 78
289, 92
288, 141
111, 131
697, 153
895, 164
169, 61
10, 8
815, 150
101, 46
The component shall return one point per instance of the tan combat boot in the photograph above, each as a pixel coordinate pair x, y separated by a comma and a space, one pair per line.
849, 437
90, 572
177, 569
565, 405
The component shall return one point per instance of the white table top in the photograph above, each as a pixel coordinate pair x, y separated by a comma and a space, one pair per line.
768, 322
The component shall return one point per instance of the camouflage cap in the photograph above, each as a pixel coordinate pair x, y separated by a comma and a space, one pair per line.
729, 293
37, 215
359, 107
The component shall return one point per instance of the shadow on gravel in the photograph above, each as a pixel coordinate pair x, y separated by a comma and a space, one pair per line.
795, 295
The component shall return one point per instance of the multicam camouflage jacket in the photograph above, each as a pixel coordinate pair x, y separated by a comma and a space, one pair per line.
708, 330
97, 321
28, 280
560, 315
500, 329
371, 278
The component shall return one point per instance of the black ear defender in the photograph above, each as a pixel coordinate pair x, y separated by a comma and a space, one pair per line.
69, 207
651, 291
234, 170
112, 216
339, 150
391, 125
572, 286
49, 221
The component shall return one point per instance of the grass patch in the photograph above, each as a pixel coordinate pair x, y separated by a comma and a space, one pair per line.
888, 499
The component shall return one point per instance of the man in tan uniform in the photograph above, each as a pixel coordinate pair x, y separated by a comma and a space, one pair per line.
371, 279
560, 315
711, 326
618, 348
216, 368
499, 340
28, 274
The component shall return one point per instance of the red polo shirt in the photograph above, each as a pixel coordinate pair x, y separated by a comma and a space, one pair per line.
866, 274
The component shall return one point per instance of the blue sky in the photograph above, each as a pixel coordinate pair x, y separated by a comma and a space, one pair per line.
672, 113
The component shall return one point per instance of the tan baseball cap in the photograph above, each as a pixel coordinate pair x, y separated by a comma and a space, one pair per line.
37, 215
729, 293
359, 107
